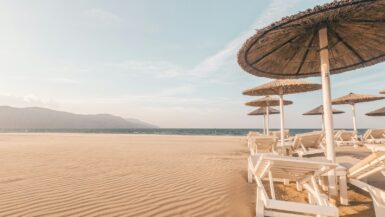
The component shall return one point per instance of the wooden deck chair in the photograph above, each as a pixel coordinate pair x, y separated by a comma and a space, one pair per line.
308, 143
301, 170
374, 136
263, 144
344, 137
370, 165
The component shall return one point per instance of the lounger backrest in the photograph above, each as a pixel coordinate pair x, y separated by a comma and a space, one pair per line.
308, 140
368, 166
278, 134
378, 134
347, 135
367, 134
291, 168
265, 143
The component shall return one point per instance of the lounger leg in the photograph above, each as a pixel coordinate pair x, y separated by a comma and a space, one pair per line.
299, 186
323, 183
249, 176
286, 181
259, 206
343, 191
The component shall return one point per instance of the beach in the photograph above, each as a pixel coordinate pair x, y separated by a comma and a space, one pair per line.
123, 175
48, 174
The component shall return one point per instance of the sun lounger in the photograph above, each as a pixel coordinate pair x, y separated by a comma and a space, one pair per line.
278, 134
374, 136
308, 143
250, 137
300, 170
344, 137
372, 164
263, 144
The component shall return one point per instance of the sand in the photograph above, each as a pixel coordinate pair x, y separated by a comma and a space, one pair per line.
132, 175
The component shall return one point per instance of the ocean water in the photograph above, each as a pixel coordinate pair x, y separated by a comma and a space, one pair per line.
163, 131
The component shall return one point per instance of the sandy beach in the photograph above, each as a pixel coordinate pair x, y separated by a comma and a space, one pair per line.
132, 175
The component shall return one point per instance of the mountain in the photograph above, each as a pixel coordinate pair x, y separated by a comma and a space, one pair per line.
42, 118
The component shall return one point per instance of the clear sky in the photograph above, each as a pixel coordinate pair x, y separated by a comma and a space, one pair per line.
171, 62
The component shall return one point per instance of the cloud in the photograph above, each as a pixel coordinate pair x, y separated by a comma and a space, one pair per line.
27, 101
102, 15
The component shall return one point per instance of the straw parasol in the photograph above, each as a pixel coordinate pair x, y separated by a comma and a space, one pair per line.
320, 111
267, 102
282, 87
382, 92
352, 99
352, 31
264, 112
378, 112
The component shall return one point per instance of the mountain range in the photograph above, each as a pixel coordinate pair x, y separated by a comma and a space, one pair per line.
42, 118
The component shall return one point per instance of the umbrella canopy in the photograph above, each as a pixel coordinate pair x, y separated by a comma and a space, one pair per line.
378, 112
320, 111
353, 98
283, 87
262, 111
265, 111
290, 48
267, 102
382, 91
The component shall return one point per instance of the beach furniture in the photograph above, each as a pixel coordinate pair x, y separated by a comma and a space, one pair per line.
266, 112
263, 144
344, 137
267, 102
282, 87
303, 171
320, 111
372, 164
278, 134
305, 144
305, 45
374, 136
352, 99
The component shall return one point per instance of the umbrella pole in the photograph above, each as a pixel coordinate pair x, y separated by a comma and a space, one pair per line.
323, 124
267, 120
282, 119
264, 124
327, 105
354, 118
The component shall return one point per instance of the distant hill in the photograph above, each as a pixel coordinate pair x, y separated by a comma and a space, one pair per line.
42, 118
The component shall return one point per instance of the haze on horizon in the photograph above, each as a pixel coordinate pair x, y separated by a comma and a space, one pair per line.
171, 63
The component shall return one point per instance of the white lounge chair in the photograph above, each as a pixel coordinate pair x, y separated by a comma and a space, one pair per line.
344, 137
263, 144
372, 164
308, 143
301, 170
250, 136
374, 136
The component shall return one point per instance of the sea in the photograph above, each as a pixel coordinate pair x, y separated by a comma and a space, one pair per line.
164, 131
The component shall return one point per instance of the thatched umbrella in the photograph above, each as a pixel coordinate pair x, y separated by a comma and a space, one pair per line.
282, 87
320, 111
382, 92
267, 102
352, 31
352, 99
378, 112
264, 112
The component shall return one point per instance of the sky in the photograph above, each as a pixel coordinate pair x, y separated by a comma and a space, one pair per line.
171, 63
